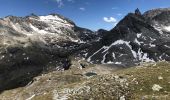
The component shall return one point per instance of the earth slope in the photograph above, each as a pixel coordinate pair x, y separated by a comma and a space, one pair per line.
126, 84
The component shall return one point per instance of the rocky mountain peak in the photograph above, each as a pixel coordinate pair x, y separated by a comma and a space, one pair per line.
137, 12
133, 40
36, 44
33, 15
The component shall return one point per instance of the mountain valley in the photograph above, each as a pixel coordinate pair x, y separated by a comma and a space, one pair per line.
50, 57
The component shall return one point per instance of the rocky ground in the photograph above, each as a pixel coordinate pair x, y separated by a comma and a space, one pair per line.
98, 82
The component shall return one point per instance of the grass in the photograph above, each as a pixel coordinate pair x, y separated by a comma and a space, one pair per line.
133, 83
142, 79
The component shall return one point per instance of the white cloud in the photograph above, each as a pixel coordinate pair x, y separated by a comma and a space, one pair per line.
82, 8
60, 3
119, 14
110, 19
114, 8
87, 3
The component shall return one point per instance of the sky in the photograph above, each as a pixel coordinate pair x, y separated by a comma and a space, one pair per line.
91, 14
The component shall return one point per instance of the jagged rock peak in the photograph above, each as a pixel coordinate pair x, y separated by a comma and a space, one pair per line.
33, 15
137, 12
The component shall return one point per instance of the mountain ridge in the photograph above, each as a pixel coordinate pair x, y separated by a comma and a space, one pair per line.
136, 32
33, 45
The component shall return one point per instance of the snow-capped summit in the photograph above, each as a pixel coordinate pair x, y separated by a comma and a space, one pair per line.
52, 28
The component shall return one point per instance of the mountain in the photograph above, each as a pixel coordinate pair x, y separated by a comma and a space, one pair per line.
136, 38
33, 45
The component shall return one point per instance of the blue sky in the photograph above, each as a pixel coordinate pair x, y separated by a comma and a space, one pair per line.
92, 14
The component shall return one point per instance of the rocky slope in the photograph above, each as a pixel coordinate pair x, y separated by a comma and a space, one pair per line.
126, 84
136, 38
33, 45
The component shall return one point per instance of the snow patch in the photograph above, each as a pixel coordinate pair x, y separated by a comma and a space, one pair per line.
143, 57
113, 55
118, 63
106, 48
139, 55
152, 39
110, 62
118, 42
167, 28
152, 45
136, 41
104, 58
167, 46
146, 59
37, 30
139, 35
55, 23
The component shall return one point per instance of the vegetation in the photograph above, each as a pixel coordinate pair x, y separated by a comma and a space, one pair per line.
146, 82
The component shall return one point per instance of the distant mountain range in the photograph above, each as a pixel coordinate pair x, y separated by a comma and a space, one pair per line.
34, 44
